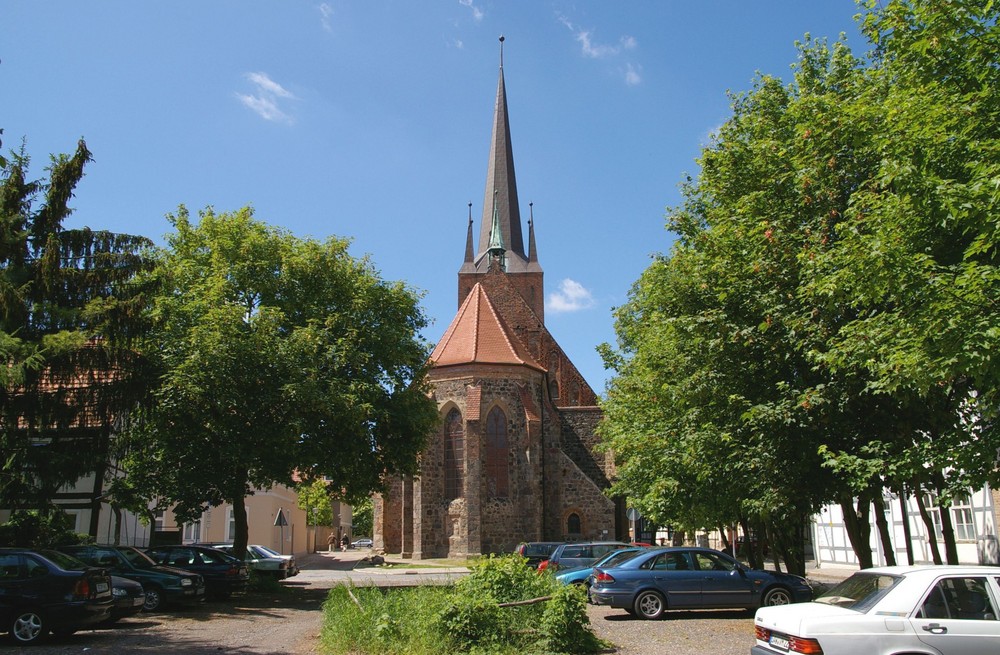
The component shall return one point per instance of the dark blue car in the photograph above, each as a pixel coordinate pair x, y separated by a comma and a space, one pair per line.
691, 578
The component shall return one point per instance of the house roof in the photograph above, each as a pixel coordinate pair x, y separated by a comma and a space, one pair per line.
478, 335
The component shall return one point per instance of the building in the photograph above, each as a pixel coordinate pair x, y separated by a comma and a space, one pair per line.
515, 457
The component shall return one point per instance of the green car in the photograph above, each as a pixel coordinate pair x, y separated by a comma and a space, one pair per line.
163, 584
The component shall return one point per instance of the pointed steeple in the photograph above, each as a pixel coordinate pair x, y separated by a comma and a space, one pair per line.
532, 253
470, 252
497, 250
500, 180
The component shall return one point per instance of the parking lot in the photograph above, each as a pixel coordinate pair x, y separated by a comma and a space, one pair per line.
289, 622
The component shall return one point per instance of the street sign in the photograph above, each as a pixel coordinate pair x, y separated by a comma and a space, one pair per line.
633, 514
280, 520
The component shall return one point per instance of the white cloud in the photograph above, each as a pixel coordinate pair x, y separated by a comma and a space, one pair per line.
264, 102
477, 13
632, 77
596, 50
570, 297
326, 13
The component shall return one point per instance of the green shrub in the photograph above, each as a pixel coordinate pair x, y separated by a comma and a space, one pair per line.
472, 621
39, 529
565, 627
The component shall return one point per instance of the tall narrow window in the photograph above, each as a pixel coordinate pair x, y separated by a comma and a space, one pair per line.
961, 517
497, 450
573, 526
454, 456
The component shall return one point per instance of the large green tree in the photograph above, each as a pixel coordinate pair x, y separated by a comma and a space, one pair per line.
822, 330
278, 355
70, 311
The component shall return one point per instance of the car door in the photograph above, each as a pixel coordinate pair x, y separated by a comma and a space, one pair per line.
674, 575
12, 581
958, 616
722, 584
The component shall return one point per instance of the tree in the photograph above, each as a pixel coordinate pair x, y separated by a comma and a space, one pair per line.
71, 309
314, 498
278, 355
823, 328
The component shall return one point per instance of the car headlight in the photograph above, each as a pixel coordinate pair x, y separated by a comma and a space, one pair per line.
118, 593
186, 582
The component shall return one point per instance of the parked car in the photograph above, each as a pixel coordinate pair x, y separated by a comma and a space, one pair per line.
684, 578
265, 561
361, 543
162, 584
43, 591
949, 610
582, 575
129, 599
536, 552
577, 554
224, 575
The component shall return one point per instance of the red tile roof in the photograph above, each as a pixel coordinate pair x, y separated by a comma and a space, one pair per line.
477, 335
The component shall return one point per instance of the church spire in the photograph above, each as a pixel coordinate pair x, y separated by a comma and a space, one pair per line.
500, 181
532, 253
470, 252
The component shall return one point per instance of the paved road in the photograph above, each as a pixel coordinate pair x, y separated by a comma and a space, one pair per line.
289, 623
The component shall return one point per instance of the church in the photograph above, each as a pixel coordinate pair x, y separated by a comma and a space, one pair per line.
514, 458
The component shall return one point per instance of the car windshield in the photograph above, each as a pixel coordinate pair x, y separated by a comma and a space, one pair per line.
614, 559
269, 552
539, 550
258, 552
63, 561
138, 559
859, 592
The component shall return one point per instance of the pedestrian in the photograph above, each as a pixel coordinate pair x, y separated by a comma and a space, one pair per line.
330, 541
344, 543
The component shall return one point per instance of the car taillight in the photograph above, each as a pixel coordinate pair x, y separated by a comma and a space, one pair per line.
82, 588
603, 578
795, 644
803, 645
543, 565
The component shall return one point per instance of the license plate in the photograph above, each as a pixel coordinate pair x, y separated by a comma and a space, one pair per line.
137, 601
102, 587
781, 643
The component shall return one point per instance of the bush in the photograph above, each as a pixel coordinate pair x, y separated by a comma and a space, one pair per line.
39, 529
565, 627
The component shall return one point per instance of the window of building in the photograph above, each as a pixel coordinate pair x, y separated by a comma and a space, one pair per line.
497, 453
159, 519
931, 503
192, 532
454, 456
230, 524
961, 516
573, 525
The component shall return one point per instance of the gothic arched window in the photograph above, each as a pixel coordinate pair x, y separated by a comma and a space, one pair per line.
454, 456
497, 451
573, 526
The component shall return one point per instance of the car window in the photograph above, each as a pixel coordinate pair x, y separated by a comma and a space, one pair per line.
64, 561
574, 552
674, 561
538, 550
711, 562
104, 557
859, 592
270, 551
180, 557
962, 597
138, 559
10, 567
614, 559
599, 550
35, 568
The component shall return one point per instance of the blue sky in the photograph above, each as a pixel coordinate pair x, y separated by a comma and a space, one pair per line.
371, 120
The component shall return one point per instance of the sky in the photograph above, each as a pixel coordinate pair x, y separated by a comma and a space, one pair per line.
371, 119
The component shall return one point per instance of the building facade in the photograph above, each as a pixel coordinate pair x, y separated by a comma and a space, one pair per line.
515, 458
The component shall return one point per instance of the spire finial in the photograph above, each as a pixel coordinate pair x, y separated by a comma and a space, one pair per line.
531, 213
470, 213
501, 51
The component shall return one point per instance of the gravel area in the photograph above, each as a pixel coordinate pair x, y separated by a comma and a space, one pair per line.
289, 623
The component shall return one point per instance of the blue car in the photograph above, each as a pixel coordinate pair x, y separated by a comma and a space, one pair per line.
661, 579
581, 575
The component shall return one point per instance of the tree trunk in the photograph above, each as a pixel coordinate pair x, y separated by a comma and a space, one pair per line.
947, 525
242, 531
907, 532
858, 529
883, 530
118, 524
929, 524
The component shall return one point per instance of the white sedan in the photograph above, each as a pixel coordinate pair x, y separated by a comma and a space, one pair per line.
917, 610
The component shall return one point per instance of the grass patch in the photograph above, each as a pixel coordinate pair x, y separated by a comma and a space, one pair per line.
482, 614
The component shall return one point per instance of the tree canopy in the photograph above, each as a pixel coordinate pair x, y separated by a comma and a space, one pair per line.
824, 326
277, 355
71, 309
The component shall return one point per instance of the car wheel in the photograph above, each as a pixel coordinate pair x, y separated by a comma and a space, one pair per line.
649, 605
776, 596
153, 599
27, 627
